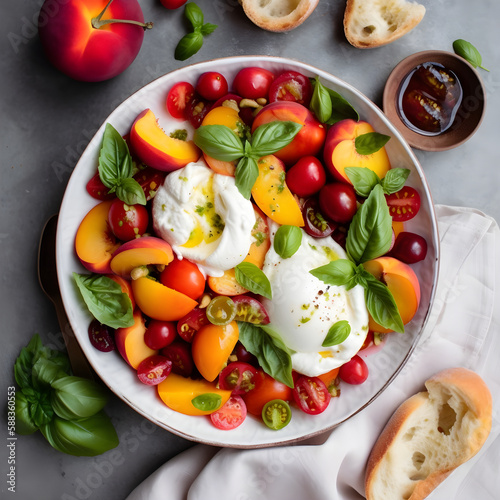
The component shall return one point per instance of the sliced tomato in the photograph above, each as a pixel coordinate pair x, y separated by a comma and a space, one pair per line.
154, 370
191, 323
238, 377
404, 204
177, 98
291, 86
276, 414
250, 310
316, 224
98, 190
311, 395
150, 180
179, 352
196, 109
231, 415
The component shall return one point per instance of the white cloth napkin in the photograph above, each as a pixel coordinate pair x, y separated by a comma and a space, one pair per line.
463, 330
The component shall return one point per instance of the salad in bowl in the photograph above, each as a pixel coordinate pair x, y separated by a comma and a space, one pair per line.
247, 251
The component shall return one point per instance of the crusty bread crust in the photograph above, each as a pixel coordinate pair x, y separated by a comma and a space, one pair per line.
278, 15
373, 23
429, 436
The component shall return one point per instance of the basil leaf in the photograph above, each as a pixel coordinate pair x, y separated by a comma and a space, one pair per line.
341, 109
75, 397
340, 272
219, 142
24, 423
208, 28
363, 179
105, 300
394, 180
273, 136
266, 345
381, 304
321, 102
287, 240
245, 176
85, 437
370, 231
207, 402
130, 192
40, 410
45, 372
465, 49
194, 15
115, 161
188, 45
337, 334
367, 144
252, 278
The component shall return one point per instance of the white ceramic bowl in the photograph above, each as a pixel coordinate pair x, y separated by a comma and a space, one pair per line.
122, 380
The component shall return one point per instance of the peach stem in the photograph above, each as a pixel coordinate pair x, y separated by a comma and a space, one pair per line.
98, 23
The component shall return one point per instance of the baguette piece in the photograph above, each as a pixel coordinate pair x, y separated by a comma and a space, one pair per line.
372, 23
429, 436
278, 15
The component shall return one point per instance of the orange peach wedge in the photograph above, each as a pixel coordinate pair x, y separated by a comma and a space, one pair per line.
140, 252
94, 242
130, 341
156, 149
340, 151
402, 283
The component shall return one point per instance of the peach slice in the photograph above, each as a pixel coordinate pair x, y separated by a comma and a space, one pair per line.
94, 241
340, 151
156, 149
130, 341
403, 284
271, 194
140, 252
160, 302
125, 286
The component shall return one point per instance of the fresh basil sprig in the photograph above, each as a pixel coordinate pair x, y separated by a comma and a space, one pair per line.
252, 278
364, 180
337, 334
465, 49
367, 144
192, 42
287, 241
221, 143
105, 300
116, 168
266, 345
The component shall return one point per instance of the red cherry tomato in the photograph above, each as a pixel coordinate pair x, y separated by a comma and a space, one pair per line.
179, 352
315, 224
127, 221
311, 395
253, 82
185, 277
354, 372
404, 204
243, 355
98, 190
211, 85
409, 247
291, 86
231, 415
266, 389
338, 202
101, 336
238, 377
150, 180
173, 4
196, 109
177, 99
191, 323
306, 177
154, 369
160, 334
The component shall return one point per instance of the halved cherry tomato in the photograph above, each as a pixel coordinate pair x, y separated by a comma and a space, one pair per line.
266, 389
196, 109
276, 414
101, 336
191, 323
354, 372
231, 415
177, 99
127, 221
291, 86
211, 85
160, 334
150, 180
243, 355
253, 82
404, 204
315, 224
184, 276
306, 177
250, 310
154, 370
179, 352
311, 395
98, 190
221, 310
238, 377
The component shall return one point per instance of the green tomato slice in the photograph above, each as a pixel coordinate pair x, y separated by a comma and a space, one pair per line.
276, 414
221, 310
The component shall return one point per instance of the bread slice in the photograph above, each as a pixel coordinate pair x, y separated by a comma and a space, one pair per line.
372, 23
278, 15
430, 435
